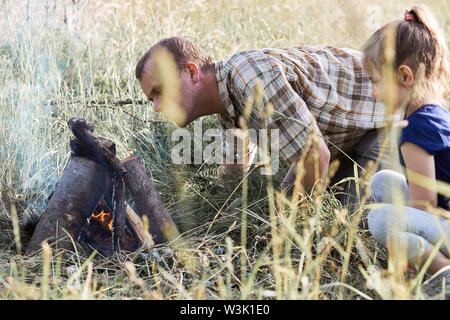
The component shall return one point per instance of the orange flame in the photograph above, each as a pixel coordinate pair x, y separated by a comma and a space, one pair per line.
105, 218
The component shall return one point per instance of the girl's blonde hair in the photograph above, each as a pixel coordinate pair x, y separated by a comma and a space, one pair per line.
419, 44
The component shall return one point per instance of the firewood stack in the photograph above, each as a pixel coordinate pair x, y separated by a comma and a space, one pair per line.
94, 176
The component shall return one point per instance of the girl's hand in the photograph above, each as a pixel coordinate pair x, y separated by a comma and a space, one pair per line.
421, 176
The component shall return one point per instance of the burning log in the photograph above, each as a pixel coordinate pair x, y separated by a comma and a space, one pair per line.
75, 198
98, 234
148, 202
95, 181
103, 151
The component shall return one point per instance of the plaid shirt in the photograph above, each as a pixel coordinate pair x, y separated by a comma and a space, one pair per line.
320, 87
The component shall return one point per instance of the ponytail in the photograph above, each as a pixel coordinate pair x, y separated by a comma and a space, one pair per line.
439, 68
420, 44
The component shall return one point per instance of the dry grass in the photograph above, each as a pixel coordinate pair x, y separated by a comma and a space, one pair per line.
56, 57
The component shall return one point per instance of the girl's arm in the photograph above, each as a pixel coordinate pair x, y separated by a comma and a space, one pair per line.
421, 176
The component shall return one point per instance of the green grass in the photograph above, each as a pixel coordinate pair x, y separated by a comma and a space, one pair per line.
57, 58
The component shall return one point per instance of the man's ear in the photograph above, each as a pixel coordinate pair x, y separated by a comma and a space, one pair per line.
405, 76
193, 71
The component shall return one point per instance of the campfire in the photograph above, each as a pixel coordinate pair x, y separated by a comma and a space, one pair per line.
89, 204
104, 218
97, 233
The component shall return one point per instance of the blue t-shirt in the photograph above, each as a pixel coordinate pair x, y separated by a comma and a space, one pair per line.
429, 128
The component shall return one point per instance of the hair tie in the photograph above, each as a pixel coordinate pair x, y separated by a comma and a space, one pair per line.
410, 17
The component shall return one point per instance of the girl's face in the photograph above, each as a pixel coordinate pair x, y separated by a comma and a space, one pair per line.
376, 79
381, 91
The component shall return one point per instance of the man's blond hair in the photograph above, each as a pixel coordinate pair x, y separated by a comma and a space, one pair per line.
182, 50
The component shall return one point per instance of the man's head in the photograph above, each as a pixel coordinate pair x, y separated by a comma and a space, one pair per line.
190, 61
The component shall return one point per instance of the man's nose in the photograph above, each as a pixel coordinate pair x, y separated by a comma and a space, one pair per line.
375, 93
156, 105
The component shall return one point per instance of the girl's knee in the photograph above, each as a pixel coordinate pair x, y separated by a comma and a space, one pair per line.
386, 185
378, 224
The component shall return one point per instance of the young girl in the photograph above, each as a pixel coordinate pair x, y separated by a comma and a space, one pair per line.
420, 81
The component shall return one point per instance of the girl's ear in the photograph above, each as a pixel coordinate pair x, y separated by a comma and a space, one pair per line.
405, 76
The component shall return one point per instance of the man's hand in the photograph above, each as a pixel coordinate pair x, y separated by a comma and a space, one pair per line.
229, 169
315, 168
237, 166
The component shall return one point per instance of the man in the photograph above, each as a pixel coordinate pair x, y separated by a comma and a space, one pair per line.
318, 89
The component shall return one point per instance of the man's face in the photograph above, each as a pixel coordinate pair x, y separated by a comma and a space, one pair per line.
152, 88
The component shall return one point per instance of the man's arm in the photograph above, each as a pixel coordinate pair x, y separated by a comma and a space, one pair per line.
261, 80
314, 170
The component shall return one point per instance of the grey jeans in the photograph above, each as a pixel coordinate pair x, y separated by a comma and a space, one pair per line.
416, 228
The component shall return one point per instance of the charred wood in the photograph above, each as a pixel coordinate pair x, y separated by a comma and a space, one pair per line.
119, 214
83, 131
148, 202
75, 197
